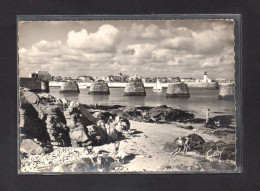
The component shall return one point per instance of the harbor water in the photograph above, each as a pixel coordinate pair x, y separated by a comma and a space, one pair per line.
198, 103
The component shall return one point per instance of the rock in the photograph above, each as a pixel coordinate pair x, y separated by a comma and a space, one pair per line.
97, 134
98, 115
30, 147
187, 127
79, 135
196, 141
30, 123
84, 111
228, 152
82, 165
113, 135
222, 121
211, 145
31, 97
168, 114
125, 124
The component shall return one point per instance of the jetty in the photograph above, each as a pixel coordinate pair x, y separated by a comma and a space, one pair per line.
177, 90
134, 88
226, 91
69, 87
99, 87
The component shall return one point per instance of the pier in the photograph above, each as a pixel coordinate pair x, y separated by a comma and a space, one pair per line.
134, 89
226, 91
99, 87
69, 87
177, 90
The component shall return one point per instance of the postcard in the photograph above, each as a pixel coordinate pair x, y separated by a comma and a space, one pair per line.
127, 95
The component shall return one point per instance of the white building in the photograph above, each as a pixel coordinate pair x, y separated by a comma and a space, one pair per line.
205, 78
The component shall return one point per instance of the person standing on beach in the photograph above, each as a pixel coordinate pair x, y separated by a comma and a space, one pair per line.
207, 115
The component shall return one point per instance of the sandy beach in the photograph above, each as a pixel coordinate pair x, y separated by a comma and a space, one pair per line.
146, 147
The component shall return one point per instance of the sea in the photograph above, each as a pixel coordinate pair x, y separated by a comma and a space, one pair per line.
199, 102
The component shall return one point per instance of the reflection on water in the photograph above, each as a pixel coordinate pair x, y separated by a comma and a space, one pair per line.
198, 103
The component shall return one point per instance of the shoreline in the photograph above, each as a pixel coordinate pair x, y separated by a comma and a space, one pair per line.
147, 146
194, 85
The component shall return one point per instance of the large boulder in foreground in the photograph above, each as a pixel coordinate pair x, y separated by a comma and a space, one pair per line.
28, 146
50, 119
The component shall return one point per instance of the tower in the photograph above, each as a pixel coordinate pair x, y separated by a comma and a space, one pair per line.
205, 77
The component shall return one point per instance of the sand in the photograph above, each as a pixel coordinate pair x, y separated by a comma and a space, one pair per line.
145, 145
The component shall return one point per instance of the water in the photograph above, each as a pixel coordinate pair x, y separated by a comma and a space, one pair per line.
198, 103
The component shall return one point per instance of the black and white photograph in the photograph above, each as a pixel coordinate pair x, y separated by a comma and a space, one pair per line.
126, 96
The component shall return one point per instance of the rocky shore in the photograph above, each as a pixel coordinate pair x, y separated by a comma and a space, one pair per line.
58, 135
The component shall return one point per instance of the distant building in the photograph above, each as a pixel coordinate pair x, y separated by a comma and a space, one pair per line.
188, 80
117, 78
164, 80
42, 75
57, 78
205, 78
67, 78
86, 78
147, 80
172, 80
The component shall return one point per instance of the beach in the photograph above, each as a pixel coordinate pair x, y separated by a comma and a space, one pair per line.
146, 146
56, 134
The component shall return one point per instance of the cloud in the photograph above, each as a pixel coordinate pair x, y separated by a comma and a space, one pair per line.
104, 40
56, 57
165, 48
130, 51
151, 32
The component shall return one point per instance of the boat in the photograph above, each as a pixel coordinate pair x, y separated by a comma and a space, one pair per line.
158, 85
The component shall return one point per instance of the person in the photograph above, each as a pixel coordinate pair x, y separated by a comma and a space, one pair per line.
207, 115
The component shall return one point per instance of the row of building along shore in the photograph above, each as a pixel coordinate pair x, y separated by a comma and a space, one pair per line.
133, 88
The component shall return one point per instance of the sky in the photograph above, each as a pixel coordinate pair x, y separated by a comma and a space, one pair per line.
150, 48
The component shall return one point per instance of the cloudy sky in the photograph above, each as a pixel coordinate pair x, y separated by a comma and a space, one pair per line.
184, 48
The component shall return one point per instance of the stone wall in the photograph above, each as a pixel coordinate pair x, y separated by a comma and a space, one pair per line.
177, 90
69, 87
202, 85
134, 89
226, 91
34, 85
31, 83
99, 88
